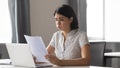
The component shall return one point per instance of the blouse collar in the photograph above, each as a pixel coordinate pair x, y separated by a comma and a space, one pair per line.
72, 32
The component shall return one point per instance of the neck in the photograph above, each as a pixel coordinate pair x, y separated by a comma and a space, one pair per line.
65, 33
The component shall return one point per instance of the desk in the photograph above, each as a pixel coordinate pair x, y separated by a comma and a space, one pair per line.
7, 62
113, 58
112, 54
11, 66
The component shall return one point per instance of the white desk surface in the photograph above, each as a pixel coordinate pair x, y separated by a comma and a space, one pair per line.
11, 66
117, 54
5, 63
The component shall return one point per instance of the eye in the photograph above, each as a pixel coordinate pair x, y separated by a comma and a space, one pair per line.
56, 19
61, 19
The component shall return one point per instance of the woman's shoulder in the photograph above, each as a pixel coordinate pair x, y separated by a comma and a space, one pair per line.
81, 32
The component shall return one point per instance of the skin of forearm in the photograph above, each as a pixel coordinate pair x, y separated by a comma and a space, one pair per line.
75, 62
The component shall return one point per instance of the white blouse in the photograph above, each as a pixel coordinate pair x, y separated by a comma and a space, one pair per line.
69, 49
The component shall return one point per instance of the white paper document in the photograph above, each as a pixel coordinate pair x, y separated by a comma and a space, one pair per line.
37, 47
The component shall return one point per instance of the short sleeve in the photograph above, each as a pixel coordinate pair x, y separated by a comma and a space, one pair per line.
83, 39
52, 42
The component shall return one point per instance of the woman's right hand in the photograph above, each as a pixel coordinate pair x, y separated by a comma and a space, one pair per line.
35, 60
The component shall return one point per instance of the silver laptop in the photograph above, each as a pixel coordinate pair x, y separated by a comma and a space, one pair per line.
20, 55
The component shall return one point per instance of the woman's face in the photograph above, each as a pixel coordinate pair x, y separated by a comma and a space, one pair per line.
62, 22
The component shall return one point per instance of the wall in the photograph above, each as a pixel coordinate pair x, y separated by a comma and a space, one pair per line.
42, 19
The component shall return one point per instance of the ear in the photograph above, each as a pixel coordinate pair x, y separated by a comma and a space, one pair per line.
71, 19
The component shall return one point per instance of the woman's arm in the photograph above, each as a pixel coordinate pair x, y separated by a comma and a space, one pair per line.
50, 49
83, 61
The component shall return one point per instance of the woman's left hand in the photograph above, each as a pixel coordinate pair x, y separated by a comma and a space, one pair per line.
53, 59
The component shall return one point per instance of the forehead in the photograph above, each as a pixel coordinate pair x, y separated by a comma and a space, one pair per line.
59, 16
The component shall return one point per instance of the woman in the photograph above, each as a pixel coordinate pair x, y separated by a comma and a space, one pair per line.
70, 45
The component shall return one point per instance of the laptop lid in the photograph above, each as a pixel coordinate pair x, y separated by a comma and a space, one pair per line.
20, 54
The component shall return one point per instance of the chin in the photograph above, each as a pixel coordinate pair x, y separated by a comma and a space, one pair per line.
59, 28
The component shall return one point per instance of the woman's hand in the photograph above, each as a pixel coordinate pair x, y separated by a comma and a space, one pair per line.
35, 60
53, 59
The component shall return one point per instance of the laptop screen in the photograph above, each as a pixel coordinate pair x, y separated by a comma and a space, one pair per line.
20, 54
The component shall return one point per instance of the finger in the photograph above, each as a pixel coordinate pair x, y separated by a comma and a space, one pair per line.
34, 58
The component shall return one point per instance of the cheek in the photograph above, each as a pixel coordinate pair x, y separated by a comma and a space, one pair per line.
57, 25
66, 24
